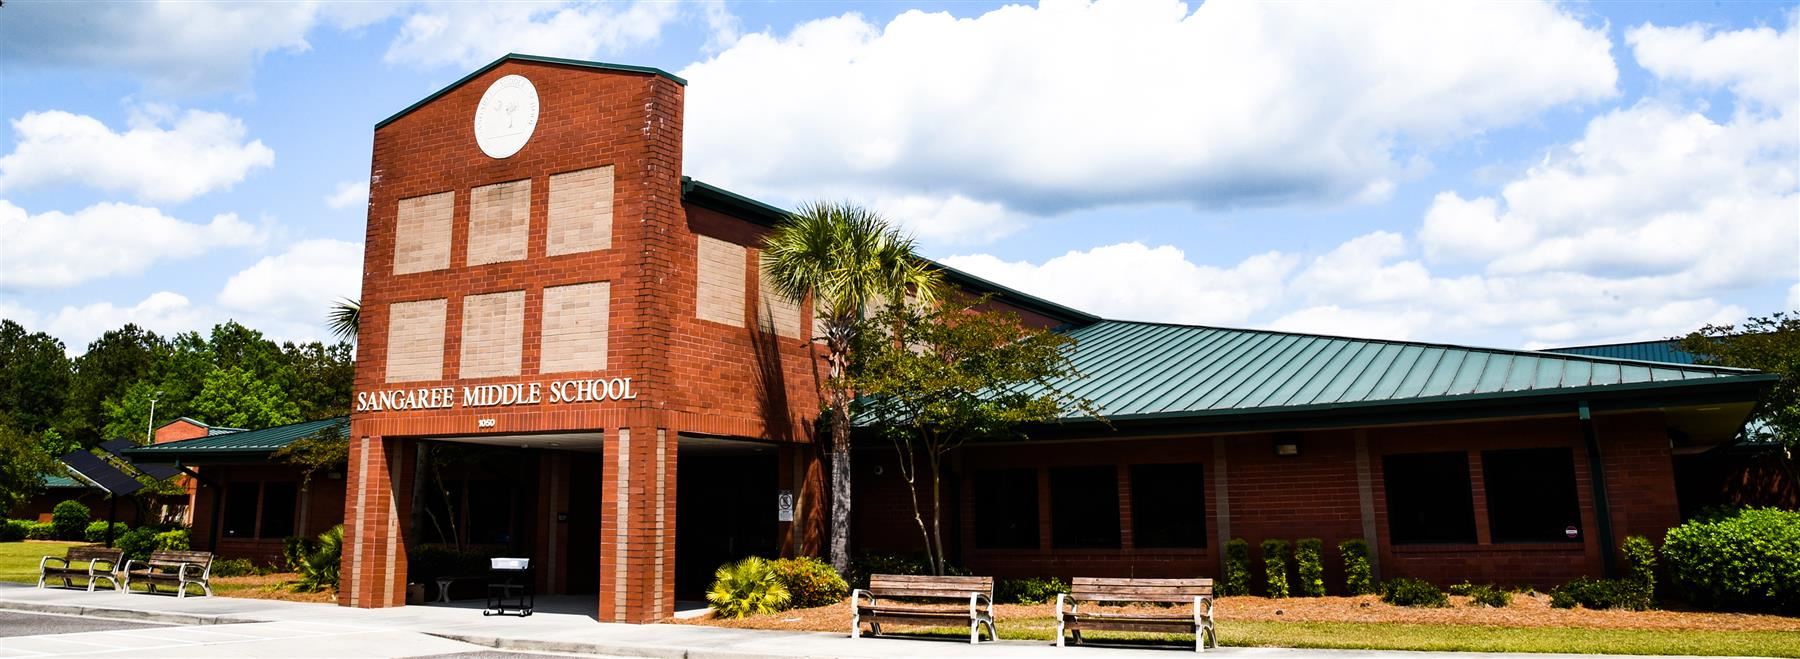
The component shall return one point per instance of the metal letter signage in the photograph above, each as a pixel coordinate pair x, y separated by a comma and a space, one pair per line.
497, 395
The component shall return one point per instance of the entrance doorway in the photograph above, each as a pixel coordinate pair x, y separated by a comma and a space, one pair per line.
725, 508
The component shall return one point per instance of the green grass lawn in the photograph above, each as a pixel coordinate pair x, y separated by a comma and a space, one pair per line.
1449, 638
19, 560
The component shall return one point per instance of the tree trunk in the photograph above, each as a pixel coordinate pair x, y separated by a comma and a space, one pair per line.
839, 551
937, 516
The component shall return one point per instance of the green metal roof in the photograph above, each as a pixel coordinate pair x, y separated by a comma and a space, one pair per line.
1667, 351
717, 198
1138, 370
264, 441
63, 482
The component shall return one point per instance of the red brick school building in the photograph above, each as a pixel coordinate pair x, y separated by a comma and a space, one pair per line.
542, 279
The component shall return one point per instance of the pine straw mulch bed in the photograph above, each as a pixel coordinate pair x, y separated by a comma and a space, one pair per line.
1524, 611
272, 586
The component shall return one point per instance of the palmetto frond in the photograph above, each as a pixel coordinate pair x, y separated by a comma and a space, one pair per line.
345, 318
846, 257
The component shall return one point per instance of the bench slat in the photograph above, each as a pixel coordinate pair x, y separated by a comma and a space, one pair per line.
1108, 581
93, 553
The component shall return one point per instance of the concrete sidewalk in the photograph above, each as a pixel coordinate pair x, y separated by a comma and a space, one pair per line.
549, 631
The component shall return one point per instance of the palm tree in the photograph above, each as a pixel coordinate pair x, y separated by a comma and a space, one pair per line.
845, 258
345, 318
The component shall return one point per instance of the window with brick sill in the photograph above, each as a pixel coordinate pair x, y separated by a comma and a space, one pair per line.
1429, 498
1006, 509
1531, 495
1084, 507
259, 510
1168, 506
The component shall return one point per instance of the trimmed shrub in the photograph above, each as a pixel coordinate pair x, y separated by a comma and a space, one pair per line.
809, 582
1462, 589
1275, 564
96, 531
233, 567
745, 588
1749, 559
1487, 595
14, 530
320, 570
136, 543
1640, 569
40, 531
1237, 568
1359, 576
1029, 591
172, 540
1598, 594
1407, 591
1309, 566
294, 549
70, 519
865, 564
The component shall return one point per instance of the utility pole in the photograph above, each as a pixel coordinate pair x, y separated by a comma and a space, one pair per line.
150, 423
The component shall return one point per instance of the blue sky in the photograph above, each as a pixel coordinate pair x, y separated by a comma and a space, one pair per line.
1513, 174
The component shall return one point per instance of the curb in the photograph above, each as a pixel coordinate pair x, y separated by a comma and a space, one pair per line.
611, 650
123, 614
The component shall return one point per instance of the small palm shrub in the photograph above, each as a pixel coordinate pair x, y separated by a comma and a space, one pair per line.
745, 588
809, 582
1237, 568
320, 570
1359, 575
1488, 595
295, 548
1275, 563
96, 531
1309, 566
1029, 591
70, 520
1406, 591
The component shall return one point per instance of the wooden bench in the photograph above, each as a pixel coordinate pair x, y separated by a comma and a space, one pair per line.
181, 568
924, 600
1103, 592
66, 569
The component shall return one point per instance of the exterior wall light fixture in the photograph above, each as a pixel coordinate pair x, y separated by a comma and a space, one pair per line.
1287, 444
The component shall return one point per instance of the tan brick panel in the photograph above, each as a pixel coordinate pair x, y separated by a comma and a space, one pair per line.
415, 342
499, 222
575, 327
720, 296
493, 329
422, 233
581, 211
775, 313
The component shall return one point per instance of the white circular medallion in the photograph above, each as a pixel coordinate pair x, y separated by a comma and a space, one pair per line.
506, 116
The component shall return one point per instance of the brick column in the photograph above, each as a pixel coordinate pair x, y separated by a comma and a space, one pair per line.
377, 506
637, 532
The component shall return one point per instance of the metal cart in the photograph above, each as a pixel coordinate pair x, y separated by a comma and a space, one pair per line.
509, 587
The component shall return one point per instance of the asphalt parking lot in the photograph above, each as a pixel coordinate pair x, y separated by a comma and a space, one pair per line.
13, 623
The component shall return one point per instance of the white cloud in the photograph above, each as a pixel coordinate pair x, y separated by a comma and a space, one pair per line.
1333, 320
1075, 104
162, 157
1759, 64
172, 46
57, 250
467, 35
1135, 281
163, 312
349, 193
1793, 298
298, 285
954, 219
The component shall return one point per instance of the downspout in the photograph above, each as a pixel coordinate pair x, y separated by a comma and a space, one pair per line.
1597, 473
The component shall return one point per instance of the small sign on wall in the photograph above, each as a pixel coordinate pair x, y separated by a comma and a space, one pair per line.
784, 506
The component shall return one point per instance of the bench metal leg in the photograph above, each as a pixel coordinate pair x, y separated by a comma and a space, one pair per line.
974, 632
1059, 631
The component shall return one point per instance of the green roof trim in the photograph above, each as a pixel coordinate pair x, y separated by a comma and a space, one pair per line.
717, 198
247, 443
1667, 351
516, 57
1138, 371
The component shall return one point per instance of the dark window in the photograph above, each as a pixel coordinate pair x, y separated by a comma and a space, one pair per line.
1428, 498
239, 520
1168, 506
1006, 509
1084, 507
278, 509
1531, 495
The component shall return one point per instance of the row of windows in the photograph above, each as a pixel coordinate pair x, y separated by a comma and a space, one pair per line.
1168, 507
1530, 496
